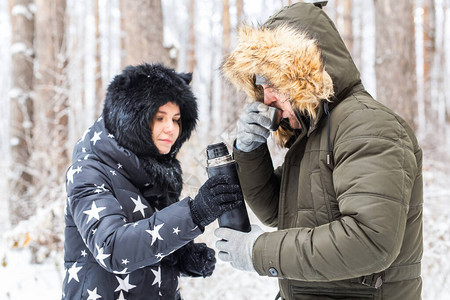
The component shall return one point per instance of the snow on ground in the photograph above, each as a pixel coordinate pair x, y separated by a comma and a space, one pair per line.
19, 279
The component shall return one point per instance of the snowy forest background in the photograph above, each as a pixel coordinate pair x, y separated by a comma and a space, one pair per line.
58, 56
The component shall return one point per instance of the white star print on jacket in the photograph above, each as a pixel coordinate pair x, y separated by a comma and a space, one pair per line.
123, 260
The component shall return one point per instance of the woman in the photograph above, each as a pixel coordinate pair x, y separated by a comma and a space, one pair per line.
127, 236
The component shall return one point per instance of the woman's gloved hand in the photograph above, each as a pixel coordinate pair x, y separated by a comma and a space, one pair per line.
197, 260
215, 197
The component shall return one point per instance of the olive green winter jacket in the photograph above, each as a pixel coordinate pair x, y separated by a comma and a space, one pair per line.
347, 200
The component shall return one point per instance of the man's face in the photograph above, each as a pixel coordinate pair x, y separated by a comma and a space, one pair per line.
278, 100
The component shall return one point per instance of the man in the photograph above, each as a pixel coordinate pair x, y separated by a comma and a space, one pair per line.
347, 200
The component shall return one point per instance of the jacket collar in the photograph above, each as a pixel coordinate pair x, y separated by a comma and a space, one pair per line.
334, 101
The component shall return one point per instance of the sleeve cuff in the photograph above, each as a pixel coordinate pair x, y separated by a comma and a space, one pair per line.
260, 150
266, 254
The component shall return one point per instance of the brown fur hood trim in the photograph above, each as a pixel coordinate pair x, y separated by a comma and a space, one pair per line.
288, 58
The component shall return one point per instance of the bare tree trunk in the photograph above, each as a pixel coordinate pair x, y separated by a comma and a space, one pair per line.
78, 120
239, 12
429, 41
347, 32
440, 78
21, 205
210, 119
357, 51
191, 60
395, 58
231, 101
446, 75
226, 27
142, 28
227, 99
50, 153
445, 62
337, 14
99, 90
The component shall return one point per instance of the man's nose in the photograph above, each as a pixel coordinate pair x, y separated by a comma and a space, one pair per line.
269, 97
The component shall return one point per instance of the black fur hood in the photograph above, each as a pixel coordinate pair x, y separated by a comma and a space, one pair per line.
133, 98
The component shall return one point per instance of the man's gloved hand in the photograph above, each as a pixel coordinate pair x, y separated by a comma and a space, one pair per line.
236, 246
215, 197
197, 260
252, 127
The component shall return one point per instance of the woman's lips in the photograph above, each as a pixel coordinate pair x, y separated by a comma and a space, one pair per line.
166, 141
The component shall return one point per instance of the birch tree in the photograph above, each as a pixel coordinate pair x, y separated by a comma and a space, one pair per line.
239, 11
232, 102
347, 32
50, 153
446, 65
441, 74
395, 58
226, 98
99, 90
191, 59
21, 205
440, 68
142, 33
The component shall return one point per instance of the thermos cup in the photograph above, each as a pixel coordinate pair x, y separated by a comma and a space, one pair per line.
275, 115
220, 162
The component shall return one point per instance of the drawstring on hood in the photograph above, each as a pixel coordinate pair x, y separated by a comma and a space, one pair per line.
327, 112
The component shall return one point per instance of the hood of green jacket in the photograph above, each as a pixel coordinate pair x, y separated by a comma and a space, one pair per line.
300, 52
307, 17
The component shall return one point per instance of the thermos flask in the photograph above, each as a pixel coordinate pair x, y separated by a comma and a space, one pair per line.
220, 162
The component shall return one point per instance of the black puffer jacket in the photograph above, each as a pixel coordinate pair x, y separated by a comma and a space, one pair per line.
124, 223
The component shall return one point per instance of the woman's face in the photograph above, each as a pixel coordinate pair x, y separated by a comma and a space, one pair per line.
166, 127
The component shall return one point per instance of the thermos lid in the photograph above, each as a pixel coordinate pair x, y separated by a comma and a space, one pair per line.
216, 150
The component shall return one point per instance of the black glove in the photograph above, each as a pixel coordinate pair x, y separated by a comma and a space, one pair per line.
215, 197
197, 260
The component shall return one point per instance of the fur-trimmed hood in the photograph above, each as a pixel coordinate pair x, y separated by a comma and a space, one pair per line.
301, 53
289, 59
132, 100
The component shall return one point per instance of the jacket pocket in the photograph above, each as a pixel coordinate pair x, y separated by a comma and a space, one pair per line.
320, 202
329, 294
